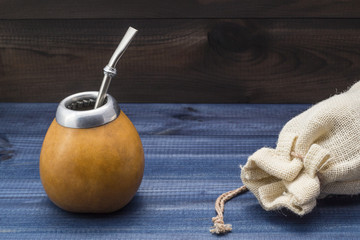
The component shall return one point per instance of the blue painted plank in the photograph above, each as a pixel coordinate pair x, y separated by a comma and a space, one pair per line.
192, 155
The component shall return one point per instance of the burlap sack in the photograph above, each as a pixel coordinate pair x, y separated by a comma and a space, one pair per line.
317, 154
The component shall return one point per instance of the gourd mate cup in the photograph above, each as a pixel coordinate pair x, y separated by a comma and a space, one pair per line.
92, 159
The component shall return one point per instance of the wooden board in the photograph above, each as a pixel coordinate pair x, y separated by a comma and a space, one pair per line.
192, 154
50, 9
181, 60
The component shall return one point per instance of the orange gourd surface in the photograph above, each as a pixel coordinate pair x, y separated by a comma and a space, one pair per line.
94, 170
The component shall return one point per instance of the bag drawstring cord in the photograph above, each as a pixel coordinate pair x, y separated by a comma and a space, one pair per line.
219, 226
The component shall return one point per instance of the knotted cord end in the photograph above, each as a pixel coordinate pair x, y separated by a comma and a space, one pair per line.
219, 226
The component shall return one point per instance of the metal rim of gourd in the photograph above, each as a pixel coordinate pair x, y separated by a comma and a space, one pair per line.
76, 111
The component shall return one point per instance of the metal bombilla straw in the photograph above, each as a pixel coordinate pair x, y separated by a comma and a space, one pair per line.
109, 69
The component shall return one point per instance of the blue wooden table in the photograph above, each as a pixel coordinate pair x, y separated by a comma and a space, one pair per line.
192, 155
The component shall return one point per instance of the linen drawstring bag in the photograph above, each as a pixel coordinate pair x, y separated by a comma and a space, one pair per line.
317, 154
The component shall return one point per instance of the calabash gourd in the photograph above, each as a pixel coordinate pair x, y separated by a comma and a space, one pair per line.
96, 169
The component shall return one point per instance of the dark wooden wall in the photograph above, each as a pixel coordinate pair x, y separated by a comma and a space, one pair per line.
264, 51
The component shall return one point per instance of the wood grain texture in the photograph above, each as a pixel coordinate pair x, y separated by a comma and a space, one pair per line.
6, 151
50, 9
179, 60
192, 154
